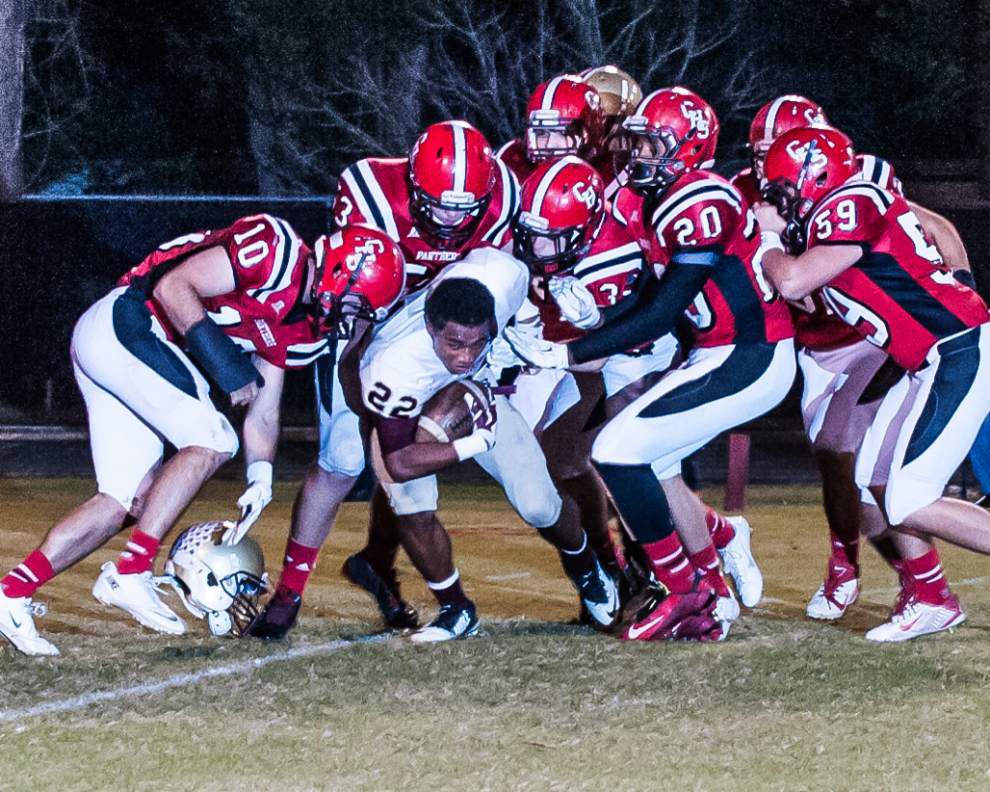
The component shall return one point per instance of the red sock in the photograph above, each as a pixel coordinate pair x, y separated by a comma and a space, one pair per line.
720, 529
927, 577
670, 565
845, 553
140, 554
28, 576
297, 566
706, 562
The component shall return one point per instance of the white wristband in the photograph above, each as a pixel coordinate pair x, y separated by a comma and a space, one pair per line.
470, 446
259, 472
770, 240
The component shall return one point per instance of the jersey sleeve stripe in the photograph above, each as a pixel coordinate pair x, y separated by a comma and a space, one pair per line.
627, 252
286, 256
510, 200
503, 149
880, 197
374, 198
299, 355
609, 269
692, 194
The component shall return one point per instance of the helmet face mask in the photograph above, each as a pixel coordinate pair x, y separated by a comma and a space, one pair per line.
218, 582
652, 162
557, 138
548, 251
451, 218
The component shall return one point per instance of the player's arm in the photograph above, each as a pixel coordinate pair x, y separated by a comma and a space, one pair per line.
795, 277
346, 210
260, 440
944, 235
406, 459
181, 292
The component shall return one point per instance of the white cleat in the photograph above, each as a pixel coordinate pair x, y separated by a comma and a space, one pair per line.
738, 561
451, 624
917, 619
600, 595
833, 598
137, 595
17, 626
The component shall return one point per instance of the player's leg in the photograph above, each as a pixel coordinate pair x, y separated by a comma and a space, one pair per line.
713, 391
121, 349
927, 434
517, 463
125, 455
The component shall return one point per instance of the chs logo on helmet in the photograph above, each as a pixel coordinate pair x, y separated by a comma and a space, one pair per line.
367, 251
697, 118
799, 152
585, 193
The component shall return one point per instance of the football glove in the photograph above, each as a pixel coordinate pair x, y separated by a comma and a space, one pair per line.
484, 417
501, 356
255, 498
576, 303
537, 351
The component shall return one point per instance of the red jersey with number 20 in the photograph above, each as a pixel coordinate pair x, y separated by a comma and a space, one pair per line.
898, 295
375, 191
701, 210
269, 264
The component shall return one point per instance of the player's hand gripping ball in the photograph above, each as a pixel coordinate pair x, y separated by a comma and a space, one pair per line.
464, 414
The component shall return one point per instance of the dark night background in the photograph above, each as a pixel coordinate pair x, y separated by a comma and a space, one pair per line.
259, 97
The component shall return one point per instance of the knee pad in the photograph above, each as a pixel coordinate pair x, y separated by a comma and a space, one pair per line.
538, 506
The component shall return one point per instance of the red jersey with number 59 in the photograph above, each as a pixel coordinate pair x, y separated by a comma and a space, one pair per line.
610, 271
375, 191
898, 295
702, 211
269, 266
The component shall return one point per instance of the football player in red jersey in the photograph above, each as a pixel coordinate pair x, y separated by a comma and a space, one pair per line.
868, 258
838, 367
702, 241
448, 197
247, 302
564, 116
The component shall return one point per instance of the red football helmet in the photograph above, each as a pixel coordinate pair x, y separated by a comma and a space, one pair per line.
777, 117
360, 273
674, 131
803, 166
562, 211
565, 116
452, 173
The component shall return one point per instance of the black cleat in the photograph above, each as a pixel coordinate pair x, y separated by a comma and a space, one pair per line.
397, 614
278, 617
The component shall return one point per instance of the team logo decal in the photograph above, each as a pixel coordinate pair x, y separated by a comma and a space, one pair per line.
697, 118
799, 153
585, 193
366, 252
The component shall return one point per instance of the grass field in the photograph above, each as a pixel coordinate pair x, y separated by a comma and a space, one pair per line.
532, 704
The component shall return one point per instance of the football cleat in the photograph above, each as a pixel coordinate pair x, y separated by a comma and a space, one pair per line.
662, 613
737, 558
278, 617
451, 624
919, 618
138, 595
17, 625
833, 598
599, 596
397, 614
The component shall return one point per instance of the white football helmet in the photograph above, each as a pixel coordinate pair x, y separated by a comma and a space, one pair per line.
219, 582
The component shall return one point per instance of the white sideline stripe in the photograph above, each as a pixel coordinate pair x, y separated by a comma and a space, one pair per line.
183, 680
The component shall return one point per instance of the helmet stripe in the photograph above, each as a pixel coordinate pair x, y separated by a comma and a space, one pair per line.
460, 158
546, 181
772, 117
551, 90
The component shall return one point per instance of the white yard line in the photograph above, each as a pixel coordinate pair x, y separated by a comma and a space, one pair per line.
183, 680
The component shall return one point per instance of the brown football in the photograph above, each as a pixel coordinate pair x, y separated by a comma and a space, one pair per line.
446, 416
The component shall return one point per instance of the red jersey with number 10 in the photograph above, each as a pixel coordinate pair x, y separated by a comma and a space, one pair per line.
898, 295
269, 266
701, 210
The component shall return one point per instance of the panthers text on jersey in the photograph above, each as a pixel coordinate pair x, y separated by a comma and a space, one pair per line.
263, 314
611, 272
701, 210
376, 191
898, 295
400, 370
